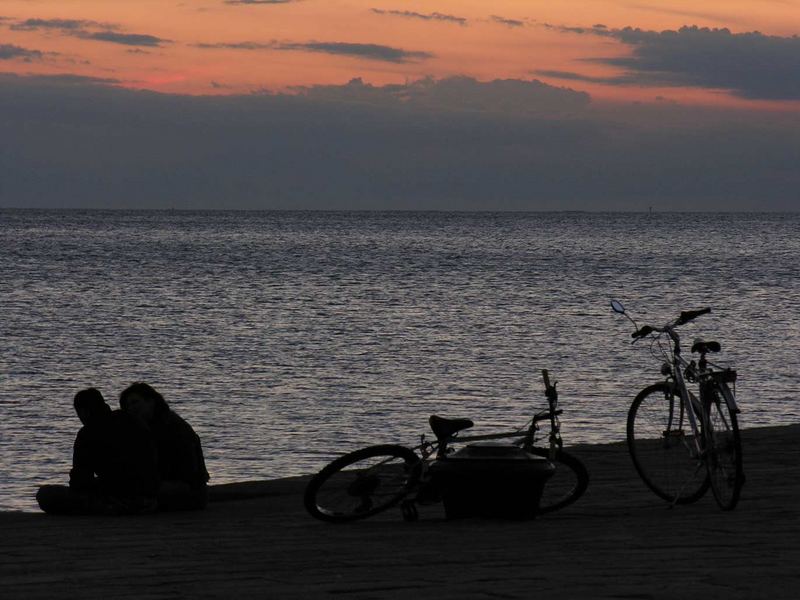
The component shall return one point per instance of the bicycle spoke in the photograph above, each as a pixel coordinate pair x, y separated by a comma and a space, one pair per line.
362, 483
662, 446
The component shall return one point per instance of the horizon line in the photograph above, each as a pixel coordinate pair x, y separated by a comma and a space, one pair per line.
395, 210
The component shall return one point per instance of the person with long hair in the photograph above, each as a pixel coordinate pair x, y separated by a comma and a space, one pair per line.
181, 466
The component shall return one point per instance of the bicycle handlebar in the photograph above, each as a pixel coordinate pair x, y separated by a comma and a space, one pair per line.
685, 317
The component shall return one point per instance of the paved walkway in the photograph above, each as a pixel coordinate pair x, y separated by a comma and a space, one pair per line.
619, 541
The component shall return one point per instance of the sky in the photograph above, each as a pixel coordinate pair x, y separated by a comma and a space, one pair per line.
447, 105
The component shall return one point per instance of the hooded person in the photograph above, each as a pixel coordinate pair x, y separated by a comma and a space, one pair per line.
113, 464
181, 466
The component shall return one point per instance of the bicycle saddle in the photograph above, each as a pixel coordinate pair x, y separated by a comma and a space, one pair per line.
444, 428
702, 346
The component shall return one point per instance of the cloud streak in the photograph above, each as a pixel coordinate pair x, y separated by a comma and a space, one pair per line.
56, 81
126, 39
377, 52
369, 51
64, 25
434, 16
507, 22
12, 52
749, 65
90, 30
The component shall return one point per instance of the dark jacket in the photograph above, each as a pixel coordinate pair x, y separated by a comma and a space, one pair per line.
180, 455
114, 455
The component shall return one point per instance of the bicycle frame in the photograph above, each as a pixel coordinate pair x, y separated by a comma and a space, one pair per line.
525, 436
699, 406
688, 400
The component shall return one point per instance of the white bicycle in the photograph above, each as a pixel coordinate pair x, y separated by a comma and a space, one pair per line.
681, 442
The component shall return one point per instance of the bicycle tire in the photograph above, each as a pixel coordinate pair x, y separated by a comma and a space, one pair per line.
723, 449
362, 483
566, 485
660, 442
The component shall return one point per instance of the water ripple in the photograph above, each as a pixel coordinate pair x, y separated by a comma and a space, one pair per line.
287, 337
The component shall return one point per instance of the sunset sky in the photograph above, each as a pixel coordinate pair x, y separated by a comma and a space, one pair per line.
627, 75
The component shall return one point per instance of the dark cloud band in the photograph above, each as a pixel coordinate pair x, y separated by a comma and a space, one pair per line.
501, 96
366, 51
64, 25
127, 39
750, 65
431, 144
90, 30
370, 51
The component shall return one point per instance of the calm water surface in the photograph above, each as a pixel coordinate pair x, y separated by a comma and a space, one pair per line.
285, 338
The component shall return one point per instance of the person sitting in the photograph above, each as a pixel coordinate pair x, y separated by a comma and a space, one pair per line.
181, 466
114, 467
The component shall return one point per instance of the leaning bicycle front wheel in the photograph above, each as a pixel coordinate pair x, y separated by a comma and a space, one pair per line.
723, 449
663, 447
568, 482
362, 483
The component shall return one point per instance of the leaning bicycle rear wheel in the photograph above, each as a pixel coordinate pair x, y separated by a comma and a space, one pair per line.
568, 482
662, 446
723, 449
362, 483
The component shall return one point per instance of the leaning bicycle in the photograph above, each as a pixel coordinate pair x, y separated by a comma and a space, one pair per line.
365, 482
681, 442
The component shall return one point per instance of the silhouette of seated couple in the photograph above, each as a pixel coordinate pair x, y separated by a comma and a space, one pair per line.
135, 460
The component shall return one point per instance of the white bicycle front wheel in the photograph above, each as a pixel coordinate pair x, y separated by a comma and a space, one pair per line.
662, 446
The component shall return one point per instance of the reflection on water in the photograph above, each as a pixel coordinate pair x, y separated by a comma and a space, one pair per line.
287, 337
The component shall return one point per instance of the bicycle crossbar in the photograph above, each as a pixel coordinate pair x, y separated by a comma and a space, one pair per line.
488, 436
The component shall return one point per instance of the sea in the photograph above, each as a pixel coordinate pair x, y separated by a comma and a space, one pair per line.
286, 338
